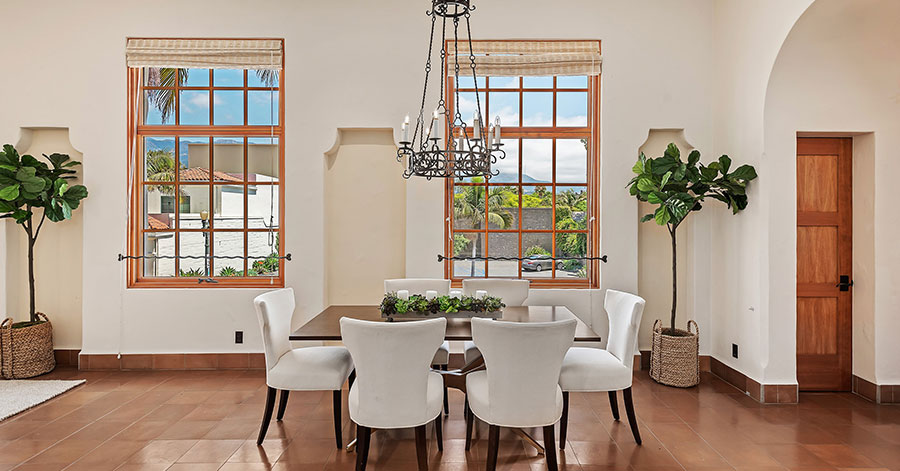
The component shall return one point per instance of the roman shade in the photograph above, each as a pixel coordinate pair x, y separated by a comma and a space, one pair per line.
530, 58
205, 53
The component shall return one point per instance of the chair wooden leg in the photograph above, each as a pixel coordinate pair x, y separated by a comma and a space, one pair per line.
614, 404
421, 448
363, 435
439, 431
629, 410
446, 399
470, 420
493, 447
336, 405
282, 404
351, 379
564, 421
549, 449
267, 415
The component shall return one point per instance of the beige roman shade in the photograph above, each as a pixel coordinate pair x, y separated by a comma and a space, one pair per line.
530, 58
205, 53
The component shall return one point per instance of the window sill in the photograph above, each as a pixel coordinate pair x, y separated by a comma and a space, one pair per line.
175, 283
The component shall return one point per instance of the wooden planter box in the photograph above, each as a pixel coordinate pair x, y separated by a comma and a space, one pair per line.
416, 315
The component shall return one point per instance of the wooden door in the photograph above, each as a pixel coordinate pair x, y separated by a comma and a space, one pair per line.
824, 260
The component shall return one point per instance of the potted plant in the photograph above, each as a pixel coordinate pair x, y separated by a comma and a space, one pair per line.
678, 188
26, 185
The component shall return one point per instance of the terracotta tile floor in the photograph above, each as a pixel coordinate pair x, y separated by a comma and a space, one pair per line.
209, 420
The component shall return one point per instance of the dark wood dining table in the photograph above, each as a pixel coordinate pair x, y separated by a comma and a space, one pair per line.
326, 326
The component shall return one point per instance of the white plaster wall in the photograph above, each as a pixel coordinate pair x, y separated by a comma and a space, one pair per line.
657, 74
748, 36
839, 71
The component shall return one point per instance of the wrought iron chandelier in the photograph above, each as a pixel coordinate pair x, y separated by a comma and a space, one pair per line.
465, 151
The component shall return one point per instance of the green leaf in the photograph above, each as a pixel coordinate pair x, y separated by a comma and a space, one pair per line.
11, 168
66, 210
20, 215
744, 172
664, 164
6, 207
647, 217
662, 216
57, 159
725, 163
693, 157
10, 192
656, 198
673, 152
645, 184
680, 171
665, 179
709, 173
639, 165
76, 192
10, 154
24, 174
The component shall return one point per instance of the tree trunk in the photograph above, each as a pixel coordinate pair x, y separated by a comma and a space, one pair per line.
31, 240
674, 275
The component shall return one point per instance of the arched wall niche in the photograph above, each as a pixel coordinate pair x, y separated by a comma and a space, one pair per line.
837, 74
58, 252
655, 257
365, 216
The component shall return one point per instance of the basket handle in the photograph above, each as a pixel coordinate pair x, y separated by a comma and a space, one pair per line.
6, 342
40, 315
696, 327
657, 326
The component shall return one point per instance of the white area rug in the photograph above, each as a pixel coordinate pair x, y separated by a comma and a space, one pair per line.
18, 395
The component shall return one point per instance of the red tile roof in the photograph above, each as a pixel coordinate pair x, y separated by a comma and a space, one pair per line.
199, 174
157, 224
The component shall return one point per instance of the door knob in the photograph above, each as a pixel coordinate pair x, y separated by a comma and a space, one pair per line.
845, 283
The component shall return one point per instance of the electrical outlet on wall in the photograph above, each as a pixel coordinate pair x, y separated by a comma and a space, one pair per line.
734, 350
238, 336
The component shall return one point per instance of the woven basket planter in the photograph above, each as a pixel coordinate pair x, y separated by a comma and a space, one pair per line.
675, 359
26, 352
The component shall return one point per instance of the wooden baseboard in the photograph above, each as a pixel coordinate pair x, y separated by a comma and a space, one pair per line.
763, 393
66, 357
642, 362
173, 361
877, 393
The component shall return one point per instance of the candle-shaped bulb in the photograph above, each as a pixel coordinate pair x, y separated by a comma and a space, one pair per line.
490, 135
497, 130
435, 125
476, 128
405, 129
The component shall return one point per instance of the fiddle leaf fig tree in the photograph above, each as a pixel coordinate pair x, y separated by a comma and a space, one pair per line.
27, 184
678, 188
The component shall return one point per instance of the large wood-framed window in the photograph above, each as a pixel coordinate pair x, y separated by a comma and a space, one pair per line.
544, 202
206, 177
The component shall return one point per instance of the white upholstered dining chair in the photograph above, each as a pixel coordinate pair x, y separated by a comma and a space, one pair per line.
296, 369
422, 286
596, 370
395, 386
512, 292
520, 387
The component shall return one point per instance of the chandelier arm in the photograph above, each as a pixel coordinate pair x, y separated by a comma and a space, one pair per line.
420, 121
472, 65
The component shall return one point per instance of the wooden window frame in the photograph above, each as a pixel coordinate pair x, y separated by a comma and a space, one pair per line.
136, 229
591, 131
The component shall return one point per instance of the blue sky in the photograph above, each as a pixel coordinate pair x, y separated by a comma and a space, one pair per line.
228, 105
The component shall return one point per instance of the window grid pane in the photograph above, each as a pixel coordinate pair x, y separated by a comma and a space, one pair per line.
199, 188
550, 127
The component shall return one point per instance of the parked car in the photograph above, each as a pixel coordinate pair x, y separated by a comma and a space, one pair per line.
539, 263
